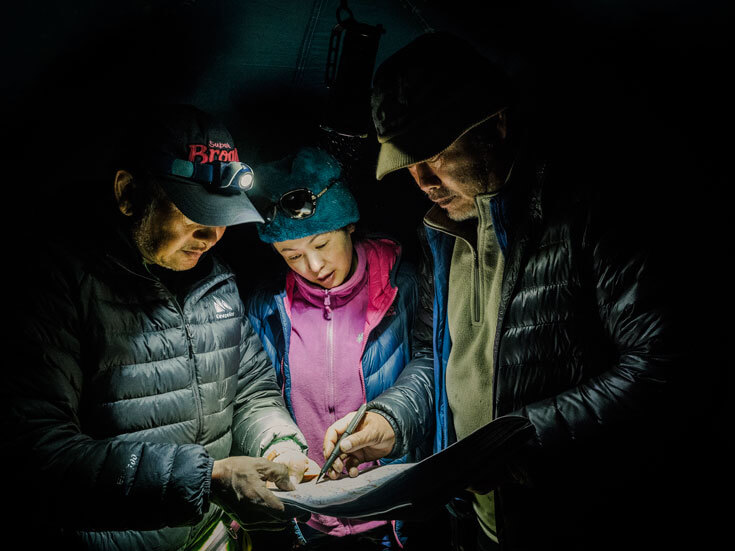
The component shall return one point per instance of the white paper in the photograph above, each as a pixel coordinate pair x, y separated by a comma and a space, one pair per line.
330, 493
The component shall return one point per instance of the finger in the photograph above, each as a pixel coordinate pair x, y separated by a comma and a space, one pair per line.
269, 499
278, 473
334, 432
351, 465
271, 470
286, 484
337, 467
259, 496
297, 469
327, 449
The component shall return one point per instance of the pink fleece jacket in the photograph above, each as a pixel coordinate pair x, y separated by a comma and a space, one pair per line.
329, 328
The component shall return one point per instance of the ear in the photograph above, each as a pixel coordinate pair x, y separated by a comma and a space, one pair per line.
350, 228
123, 189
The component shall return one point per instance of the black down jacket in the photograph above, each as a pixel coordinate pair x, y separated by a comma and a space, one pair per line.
589, 348
124, 396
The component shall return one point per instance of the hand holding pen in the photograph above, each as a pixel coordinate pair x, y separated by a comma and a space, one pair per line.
356, 418
373, 438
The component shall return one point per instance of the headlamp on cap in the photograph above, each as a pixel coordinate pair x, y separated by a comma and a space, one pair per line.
226, 178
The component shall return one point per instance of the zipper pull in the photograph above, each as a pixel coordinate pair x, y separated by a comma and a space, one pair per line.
327, 309
189, 338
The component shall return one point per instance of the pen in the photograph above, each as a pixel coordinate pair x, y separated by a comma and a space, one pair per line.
336, 451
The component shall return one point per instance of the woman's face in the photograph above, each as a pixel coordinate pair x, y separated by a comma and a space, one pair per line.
324, 259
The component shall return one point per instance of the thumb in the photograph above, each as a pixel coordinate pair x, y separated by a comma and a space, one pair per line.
334, 432
356, 441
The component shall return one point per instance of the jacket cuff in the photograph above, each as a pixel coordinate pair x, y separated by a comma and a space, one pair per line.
277, 447
207, 488
384, 412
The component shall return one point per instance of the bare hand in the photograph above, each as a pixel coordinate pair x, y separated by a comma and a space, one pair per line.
373, 438
296, 463
239, 485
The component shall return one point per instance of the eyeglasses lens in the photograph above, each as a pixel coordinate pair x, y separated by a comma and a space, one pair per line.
298, 203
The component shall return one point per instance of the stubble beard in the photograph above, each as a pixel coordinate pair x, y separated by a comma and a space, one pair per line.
147, 241
481, 177
477, 184
468, 213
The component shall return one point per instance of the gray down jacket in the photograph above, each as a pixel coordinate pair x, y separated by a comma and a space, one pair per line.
125, 395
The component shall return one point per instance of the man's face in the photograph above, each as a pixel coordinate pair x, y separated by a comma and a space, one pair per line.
454, 178
169, 239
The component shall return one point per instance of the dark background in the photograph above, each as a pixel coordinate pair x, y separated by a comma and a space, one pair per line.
637, 92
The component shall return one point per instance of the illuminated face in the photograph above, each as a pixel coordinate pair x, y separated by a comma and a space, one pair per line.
324, 259
468, 167
166, 237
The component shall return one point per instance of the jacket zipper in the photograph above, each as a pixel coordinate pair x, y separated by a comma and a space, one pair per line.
286, 326
330, 353
476, 305
508, 284
187, 332
189, 338
192, 366
476, 281
190, 349
476, 314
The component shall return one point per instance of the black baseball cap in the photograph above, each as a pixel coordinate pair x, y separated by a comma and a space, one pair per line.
429, 93
188, 151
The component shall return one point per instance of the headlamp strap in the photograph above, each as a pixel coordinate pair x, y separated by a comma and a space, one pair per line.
198, 172
228, 178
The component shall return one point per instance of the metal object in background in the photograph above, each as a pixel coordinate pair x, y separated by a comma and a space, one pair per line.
353, 47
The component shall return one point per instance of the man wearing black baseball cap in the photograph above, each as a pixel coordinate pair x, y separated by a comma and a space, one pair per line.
190, 163
146, 404
546, 304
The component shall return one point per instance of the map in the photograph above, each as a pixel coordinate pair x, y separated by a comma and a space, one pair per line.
380, 492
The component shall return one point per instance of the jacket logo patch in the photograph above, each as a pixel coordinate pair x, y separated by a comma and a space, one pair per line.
222, 309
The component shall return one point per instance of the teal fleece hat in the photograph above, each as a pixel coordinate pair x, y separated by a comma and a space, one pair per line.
313, 169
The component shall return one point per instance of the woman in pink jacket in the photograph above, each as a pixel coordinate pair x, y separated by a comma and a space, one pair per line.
337, 328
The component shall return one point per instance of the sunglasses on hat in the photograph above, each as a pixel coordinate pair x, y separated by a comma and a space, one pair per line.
297, 204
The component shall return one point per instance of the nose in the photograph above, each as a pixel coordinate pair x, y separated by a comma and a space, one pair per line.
316, 262
424, 176
209, 234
